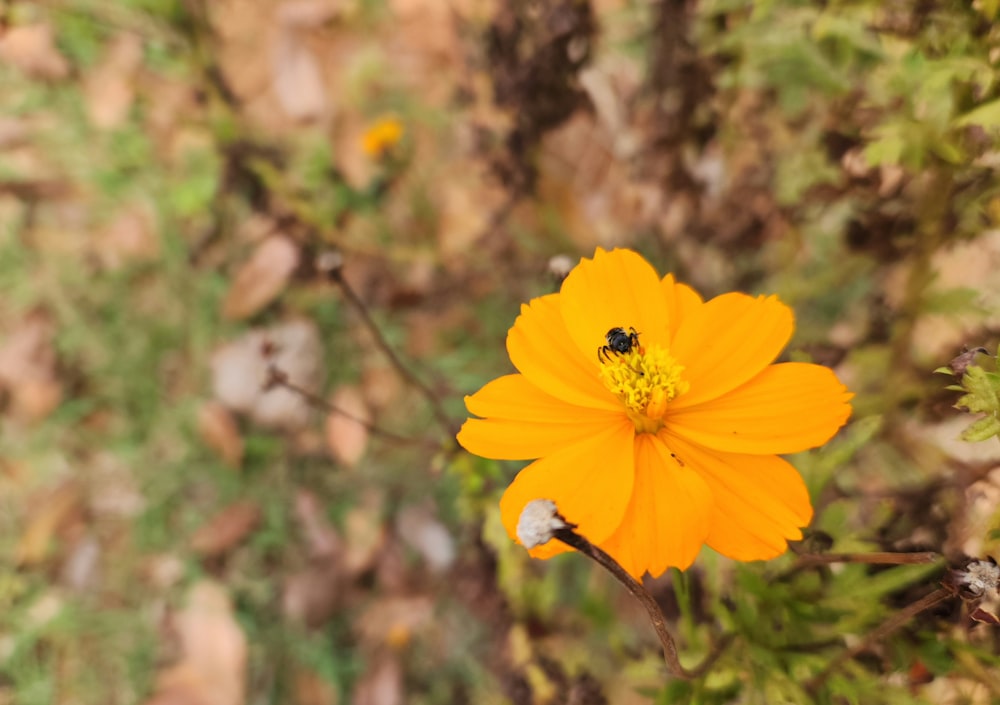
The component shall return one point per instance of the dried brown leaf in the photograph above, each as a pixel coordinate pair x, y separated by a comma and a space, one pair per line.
110, 89
420, 530
28, 368
382, 682
393, 621
126, 239
296, 77
226, 529
312, 596
46, 518
219, 431
312, 689
382, 385
322, 540
262, 278
213, 663
364, 534
346, 434
32, 49
308, 14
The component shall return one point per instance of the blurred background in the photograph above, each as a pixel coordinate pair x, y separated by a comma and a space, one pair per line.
253, 253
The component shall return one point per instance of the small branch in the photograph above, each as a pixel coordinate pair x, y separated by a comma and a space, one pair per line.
884, 558
335, 273
880, 632
278, 378
670, 656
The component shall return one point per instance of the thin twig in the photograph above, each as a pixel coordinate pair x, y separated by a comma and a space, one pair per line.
880, 632
278, 378
335, 274
879, 558
670, 656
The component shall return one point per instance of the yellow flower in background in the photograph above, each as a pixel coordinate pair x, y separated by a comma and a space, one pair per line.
381, 136
656, 417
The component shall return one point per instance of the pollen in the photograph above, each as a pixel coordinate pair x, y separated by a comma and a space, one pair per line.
646, 380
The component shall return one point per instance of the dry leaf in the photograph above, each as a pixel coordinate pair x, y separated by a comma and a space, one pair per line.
346, 434
971, 528
81, 569
113, 490
364, 534
226, 529
421, 531
126, 239
464, 216
261, 278
28, 368
219, 431
322, 539
213, 663
46, 518
240, 373
110, 88
296, 77
32, 49
382, 682
308, 14
393, 621
310, 688
382, 385
312, 596
14, 131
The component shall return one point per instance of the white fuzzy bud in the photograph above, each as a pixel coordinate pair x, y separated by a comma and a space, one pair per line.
538, 522
979, 577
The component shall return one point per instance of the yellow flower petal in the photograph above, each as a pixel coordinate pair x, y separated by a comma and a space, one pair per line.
615, 289
541, 350
731, 339
514, 397
760, 501
785, 409
523, 423
590, 482
668, 516
683, 303
510, 439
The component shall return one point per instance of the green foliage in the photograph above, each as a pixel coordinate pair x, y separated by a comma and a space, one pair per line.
981, 396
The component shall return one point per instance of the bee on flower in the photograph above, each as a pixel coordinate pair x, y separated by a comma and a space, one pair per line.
657, 448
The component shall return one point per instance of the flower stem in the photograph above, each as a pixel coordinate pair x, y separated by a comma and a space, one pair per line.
878, 633
670, 656
336, 275
878, 558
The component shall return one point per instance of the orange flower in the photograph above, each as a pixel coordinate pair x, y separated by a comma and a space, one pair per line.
664, 436
381, 136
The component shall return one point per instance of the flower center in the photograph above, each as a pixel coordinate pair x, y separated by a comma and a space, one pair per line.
646, 380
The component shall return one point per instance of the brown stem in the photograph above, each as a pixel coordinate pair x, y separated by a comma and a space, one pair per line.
883, 558
670, 657
278, 378
336, 275
880, 632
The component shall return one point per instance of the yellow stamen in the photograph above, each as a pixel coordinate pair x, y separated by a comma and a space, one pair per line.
646, 380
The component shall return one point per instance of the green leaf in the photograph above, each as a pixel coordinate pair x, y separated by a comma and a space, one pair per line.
887, 147
988, 8
957, 300
983, 391
986, 115
982, 430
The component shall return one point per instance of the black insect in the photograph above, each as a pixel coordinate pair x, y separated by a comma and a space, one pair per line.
620, 341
